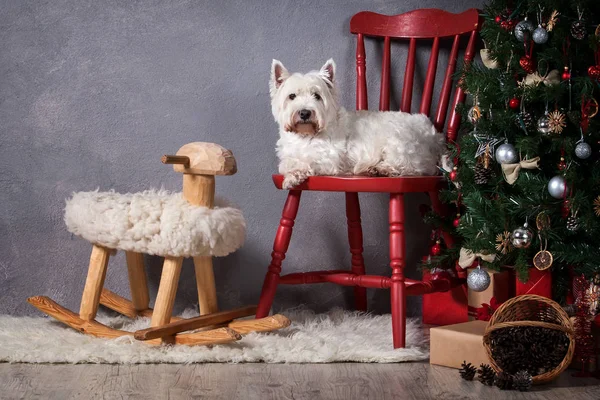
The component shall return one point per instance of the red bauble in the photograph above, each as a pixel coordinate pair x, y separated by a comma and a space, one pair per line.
453, 174
456, 222
514, 103
566, 75
528, 64
562, 165
436, 249
498, 19
594, 72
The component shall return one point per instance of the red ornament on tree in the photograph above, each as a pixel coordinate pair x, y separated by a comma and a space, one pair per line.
456, 221
498, 19
594, 72
514, 103
565, 209
566, 75
454, 174
562, 165
528, 64
436, 249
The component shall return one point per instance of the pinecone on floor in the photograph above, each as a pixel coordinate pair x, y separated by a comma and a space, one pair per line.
522, 381
503, 381
486, 375
482, 174
467, 371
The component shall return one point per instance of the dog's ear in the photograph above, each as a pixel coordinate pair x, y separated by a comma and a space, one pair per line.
327, 72
278, 75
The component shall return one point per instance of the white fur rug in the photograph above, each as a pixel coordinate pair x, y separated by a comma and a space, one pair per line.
335, 336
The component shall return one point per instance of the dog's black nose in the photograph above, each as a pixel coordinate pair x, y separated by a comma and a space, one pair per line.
305, 115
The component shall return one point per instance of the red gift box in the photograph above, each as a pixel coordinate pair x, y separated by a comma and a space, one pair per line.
539, 282
445, 308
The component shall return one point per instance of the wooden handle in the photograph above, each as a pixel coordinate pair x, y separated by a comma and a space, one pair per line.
194, 323
180, 160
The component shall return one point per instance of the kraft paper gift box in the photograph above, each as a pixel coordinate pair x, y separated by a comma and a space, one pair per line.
452, 344
501, 287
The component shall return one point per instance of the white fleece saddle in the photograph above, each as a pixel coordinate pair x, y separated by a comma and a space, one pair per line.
154, 222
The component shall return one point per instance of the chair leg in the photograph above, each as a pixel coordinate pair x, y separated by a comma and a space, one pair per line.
205, 281
355, 238
167, 288
138, 283
90, 300
280, 246
398, 286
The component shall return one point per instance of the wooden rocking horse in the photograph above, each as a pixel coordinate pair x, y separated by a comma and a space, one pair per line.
172, 225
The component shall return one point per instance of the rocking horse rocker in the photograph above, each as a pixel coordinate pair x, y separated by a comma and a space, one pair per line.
171, 225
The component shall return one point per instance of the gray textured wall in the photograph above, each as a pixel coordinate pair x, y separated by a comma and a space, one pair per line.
92, 93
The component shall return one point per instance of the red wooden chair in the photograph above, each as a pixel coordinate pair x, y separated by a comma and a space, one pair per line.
429, 24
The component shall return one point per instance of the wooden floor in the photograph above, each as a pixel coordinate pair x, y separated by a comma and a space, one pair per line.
265, 381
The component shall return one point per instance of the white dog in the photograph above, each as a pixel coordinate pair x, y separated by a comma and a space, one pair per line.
318, 137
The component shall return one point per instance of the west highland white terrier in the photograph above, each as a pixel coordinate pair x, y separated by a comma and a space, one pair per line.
319, 137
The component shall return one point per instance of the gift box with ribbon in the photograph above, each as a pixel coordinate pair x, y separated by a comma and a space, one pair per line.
539, 282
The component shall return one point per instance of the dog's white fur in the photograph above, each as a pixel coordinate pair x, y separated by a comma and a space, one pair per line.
338, 142
154, 222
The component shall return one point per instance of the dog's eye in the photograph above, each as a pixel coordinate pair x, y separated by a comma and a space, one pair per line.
292, 96
317, 96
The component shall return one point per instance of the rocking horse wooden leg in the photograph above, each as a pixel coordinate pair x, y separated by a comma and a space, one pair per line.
137, 280
205, 281
355, 238
398, 287
165, 299
280, 246
90, 300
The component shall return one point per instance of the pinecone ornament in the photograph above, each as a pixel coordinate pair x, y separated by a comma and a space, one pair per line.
486, 375
467, 371
482, 174
572, 223
522, 381
578, 29
524, 120
503, 381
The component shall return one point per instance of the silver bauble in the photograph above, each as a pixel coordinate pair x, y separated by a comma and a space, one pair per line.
521, 29
478, 280
583, 150
543, 125
521, 237
506, 154
557, 187
540, 35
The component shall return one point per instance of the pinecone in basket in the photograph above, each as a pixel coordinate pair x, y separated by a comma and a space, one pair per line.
526, 348
482, 174
522, 381
467, 371
486, 374
503, 381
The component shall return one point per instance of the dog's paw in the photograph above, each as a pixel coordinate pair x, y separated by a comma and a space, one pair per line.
293, 179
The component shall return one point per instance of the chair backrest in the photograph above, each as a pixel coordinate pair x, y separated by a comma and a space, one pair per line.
431, 24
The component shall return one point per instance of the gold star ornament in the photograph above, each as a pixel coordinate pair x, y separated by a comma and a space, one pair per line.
503, 244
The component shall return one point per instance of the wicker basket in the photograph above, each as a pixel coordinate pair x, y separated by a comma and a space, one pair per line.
532, 310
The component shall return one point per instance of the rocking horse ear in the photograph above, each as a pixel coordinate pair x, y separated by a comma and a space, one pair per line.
278, 75
327, 72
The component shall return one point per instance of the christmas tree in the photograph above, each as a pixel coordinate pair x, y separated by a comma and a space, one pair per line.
525, 181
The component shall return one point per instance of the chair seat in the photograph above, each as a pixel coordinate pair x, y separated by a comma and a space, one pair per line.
401, 184
154, 222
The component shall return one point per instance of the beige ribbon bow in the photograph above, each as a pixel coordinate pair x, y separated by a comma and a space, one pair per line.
467, 257
550, 79
511, 171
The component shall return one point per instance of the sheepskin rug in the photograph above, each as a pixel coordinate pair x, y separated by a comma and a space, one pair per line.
335, 336
154, 222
